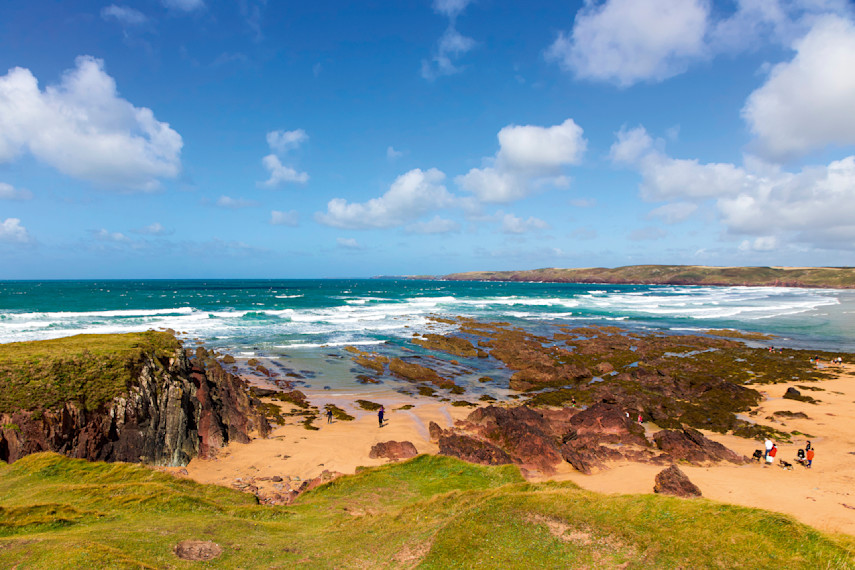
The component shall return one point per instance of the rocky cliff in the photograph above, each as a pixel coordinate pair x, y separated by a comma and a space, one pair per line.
173, 408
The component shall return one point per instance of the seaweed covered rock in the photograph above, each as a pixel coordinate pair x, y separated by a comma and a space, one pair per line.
672, 481
169, 410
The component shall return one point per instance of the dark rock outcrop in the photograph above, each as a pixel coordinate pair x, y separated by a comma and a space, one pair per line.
472, 450
692, 446
176, 410
672, 481
393, 450
435, 431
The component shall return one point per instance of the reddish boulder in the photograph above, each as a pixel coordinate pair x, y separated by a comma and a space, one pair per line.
435, 431
608, 423
672, 481
472, 450
692, 446
393, 450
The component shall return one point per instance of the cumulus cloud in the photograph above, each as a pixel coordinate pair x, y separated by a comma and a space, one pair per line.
11, 231
410, 196
282, 142
627, 41
348, 243
528, 157
184, 5
814, 207
124, 15
9, 192
665, 178
511, 224
84, 129
809, 102
290, 218
437, 225
451, 45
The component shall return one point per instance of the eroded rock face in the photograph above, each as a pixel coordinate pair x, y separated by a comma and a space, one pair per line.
176, 411
393, 450
672, 481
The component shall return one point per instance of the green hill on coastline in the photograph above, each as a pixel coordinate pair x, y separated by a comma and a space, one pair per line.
431, 512
819, 277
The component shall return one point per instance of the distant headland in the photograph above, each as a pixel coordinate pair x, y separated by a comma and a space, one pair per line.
816, 277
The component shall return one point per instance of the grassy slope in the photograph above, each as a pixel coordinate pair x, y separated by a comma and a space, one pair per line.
826, 277
440, 512
88, 369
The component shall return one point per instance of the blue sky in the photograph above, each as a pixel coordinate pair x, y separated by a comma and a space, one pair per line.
194, 138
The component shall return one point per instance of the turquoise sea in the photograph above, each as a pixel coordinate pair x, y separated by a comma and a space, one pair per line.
304, 325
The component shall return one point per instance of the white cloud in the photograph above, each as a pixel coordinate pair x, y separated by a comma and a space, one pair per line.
764, 243
9, 192
124, 15
452, 45
393, 154
514, 225
12, 231
154, 229
290, 218
814, 207
437, 225
674, 212
410, 196
528, 157
450, 8
627, 41
113, 237
666, 178
583, 202
184, 5
809, 102
348, 243
282, 142
234, 203
84, 129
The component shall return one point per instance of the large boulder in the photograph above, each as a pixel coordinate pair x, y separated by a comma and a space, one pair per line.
692, 446
393, 450
672, 481
472, 450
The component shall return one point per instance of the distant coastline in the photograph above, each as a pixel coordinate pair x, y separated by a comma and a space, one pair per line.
812, 277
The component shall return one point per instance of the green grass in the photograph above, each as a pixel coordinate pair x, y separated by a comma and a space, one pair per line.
436, 512
88, 369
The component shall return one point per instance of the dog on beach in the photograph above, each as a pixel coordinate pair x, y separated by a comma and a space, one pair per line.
786, 465
758, 455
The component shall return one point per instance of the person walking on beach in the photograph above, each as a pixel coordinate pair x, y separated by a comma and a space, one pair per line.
329, 415
809, 456
380, 414
769, 446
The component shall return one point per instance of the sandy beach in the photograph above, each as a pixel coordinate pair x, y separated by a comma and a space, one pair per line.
823, 497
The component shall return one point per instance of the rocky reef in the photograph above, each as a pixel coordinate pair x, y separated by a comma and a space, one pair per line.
162, 405
539, 440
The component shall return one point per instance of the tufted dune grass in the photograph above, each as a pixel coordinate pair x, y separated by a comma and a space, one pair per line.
431, 512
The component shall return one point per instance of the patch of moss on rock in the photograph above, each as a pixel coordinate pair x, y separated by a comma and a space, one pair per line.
368, 405
338, 413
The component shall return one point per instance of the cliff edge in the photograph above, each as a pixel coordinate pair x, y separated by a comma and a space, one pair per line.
137, 397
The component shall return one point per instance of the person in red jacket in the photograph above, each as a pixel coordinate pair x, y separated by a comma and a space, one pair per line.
809, 457
770, 457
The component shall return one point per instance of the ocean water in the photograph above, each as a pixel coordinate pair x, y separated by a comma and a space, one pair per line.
303, 325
